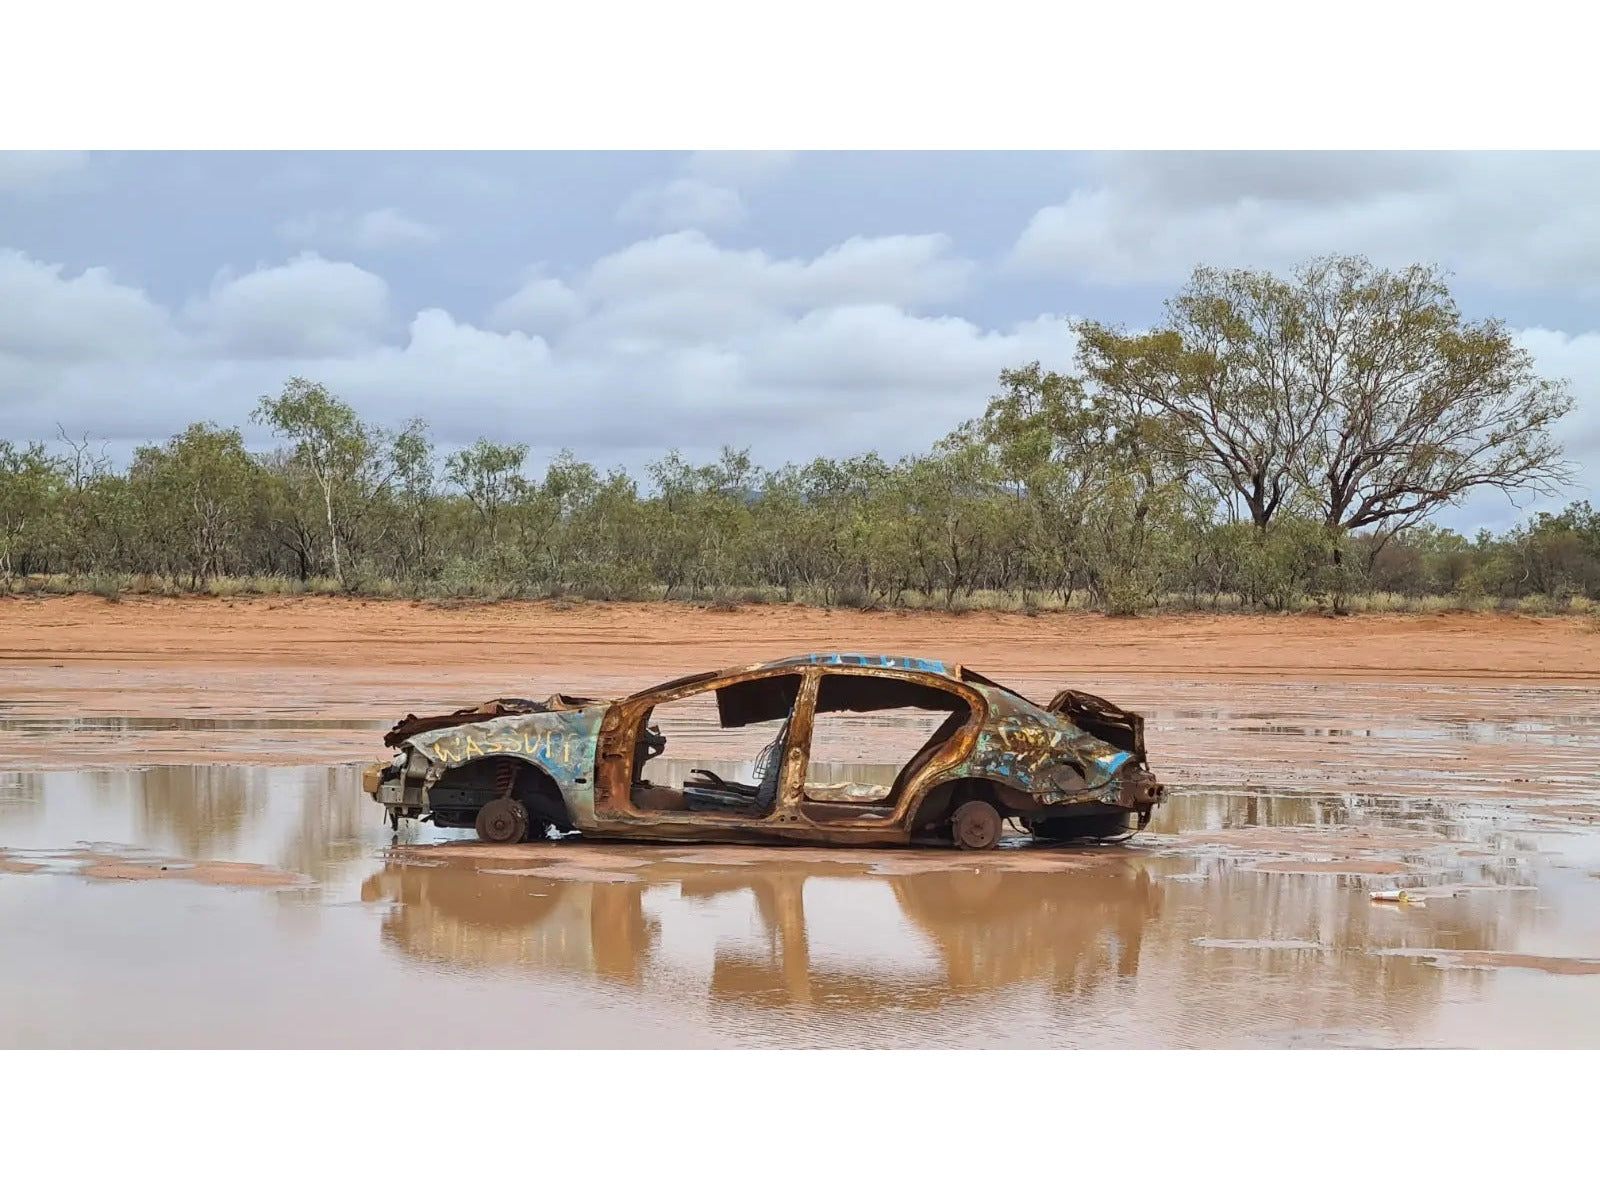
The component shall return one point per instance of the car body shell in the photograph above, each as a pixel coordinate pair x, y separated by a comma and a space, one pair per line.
581, 756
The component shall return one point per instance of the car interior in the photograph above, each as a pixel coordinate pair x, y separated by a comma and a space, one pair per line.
769, 699
739, 706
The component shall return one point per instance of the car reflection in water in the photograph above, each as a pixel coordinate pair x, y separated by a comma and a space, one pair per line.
959, 931
458, 917
1137, 947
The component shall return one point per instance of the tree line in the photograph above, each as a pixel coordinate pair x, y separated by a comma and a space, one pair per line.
1273, 442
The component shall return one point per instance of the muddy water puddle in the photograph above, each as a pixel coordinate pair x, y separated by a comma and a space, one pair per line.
50, 739
213, 904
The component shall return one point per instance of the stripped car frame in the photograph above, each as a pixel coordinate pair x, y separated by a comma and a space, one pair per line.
513, 769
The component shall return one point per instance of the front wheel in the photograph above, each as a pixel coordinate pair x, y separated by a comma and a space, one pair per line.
502, 820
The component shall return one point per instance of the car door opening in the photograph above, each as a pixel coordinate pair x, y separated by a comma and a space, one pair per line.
870, 737
716, 751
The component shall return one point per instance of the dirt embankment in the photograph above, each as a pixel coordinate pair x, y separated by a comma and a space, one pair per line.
660, 639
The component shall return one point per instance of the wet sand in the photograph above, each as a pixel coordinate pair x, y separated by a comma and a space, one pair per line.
622, 640
180, 830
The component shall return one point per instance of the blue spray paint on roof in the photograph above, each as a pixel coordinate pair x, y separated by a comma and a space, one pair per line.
891, 662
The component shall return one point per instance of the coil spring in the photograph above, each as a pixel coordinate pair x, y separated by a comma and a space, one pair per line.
505, 777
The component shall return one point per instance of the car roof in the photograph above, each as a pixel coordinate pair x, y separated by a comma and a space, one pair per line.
799, 662
888, 662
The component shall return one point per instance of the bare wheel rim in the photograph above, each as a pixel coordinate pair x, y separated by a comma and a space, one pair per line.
502, 820
976, 825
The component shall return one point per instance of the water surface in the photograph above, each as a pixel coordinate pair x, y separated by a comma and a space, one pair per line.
227, 905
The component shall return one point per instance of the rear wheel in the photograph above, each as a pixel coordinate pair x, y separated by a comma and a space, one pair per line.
975, 825
502, 820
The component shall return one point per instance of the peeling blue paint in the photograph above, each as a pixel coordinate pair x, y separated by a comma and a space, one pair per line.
890, 662
1115, 763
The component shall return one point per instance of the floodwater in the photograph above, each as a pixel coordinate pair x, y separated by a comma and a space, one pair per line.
215, 903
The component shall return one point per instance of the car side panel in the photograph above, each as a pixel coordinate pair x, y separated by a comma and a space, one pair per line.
562, 744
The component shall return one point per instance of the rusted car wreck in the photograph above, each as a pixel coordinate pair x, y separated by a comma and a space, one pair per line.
513, 769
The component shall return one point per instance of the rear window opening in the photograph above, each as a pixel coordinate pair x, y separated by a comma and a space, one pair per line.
869, 736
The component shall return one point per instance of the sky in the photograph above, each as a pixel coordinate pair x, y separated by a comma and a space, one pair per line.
795, 304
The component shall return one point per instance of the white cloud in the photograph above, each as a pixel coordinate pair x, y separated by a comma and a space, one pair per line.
46, 314
706, 194
307, 307
467, 381
878, 345
385, 227
379, 229
542, 305
738, 168
1507, 220
689, 271
37, 172
683, 204
795, 357
676, 341
900, 269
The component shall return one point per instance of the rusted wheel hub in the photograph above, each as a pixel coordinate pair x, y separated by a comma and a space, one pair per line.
502, 820
975, 826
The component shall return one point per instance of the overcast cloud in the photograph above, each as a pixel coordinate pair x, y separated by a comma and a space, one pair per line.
622, 305
379, 229
1521, 220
